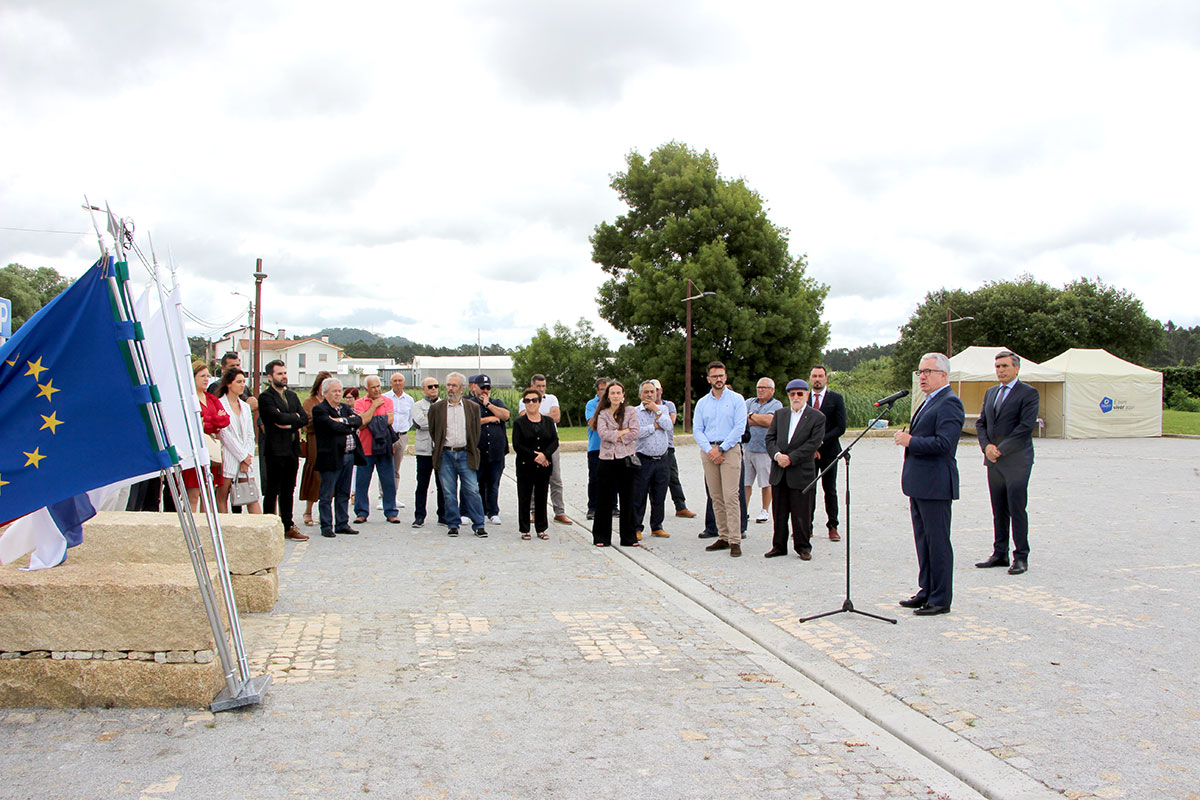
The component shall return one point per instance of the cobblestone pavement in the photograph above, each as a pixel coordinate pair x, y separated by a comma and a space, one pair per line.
1080, 673
418, 666
407, 664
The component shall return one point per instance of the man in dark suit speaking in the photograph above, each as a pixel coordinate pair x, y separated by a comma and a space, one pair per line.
930, 481
1005, 430
792, 441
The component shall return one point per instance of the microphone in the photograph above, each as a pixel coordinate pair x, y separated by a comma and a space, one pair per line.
891, 398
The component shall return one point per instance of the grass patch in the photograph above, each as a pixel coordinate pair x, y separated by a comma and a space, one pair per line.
1181, 422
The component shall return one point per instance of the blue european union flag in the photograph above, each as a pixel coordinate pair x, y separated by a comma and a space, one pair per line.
72, 416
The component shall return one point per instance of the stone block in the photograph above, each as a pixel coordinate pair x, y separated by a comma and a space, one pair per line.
253, 542
123, 683
256, 594
81, 606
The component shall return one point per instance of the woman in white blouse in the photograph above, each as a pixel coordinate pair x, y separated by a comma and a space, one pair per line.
237, 438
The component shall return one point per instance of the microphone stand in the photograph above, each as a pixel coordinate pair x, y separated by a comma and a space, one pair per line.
848, 605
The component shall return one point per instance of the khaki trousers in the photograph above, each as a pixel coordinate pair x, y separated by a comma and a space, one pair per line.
723, 486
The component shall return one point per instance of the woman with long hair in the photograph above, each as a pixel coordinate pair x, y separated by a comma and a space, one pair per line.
237, 438
212, 419
310, 478
617, 426
534, 440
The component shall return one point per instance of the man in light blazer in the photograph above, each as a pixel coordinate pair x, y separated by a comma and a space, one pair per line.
930, 481
792, 441
1005, 430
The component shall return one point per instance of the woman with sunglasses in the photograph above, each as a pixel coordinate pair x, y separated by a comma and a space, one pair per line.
534, 439
617, 426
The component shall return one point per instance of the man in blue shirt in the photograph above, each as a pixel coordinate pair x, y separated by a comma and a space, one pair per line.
654, 421
717, 427
593, 448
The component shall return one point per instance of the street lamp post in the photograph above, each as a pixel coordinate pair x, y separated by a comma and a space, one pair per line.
258, 279
949, 323
687, 356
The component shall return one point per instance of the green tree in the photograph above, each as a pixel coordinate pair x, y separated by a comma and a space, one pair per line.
686, 221
29, 290
571, 362
1034, 319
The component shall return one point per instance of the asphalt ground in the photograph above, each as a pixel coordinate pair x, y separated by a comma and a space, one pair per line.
414, 665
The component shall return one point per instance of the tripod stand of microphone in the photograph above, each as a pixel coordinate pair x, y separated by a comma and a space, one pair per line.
848, 604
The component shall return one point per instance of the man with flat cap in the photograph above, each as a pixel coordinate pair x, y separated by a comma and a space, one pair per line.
793, 437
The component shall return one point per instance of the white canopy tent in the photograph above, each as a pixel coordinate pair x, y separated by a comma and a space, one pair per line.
1107, 397
973, 372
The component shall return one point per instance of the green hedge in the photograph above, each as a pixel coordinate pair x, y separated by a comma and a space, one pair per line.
860, 407
1185, 379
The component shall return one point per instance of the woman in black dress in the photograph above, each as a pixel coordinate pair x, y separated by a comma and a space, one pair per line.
534, 439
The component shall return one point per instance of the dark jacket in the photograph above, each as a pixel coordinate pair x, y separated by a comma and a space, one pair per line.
437, 431
382, 437
834, 409
331, 427
274, 410
530, 437
493, 437
1010, 428
800, 448
930, 465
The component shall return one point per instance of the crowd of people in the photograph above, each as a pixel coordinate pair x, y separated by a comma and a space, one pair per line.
789, 450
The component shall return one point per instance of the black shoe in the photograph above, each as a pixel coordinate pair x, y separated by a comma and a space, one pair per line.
916, 601
719, 544
616, 512
329, 534
418, 523
707, 535
1019, 566
591, 514
994, 561
773, 553
452, 532
481, 533
930, 611
348, 531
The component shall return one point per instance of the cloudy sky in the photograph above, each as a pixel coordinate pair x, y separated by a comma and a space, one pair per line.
432, 169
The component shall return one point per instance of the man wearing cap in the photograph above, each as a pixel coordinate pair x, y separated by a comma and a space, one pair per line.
402, 408
792, 441
493, 444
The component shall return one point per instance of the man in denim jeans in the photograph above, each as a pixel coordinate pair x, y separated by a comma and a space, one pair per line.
454, 430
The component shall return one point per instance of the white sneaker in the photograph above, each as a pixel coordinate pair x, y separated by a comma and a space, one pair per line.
466, 520
495, 520
379, 505
400, 505
763, 516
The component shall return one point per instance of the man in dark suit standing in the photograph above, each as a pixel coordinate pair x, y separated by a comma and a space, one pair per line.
792, 441
1005, 430
282, 417
930, 481
831, 404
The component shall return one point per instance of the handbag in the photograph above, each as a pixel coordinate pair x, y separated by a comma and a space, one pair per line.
214, 449
633, 462
244, 491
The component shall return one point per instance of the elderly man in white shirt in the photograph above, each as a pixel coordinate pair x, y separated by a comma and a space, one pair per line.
402, 418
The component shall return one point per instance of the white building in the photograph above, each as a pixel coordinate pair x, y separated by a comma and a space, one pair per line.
498, 368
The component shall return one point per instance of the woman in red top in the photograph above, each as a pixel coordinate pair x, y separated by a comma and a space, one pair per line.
212, 418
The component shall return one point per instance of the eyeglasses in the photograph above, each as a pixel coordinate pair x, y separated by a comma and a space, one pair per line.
926, 372
431, 386
531, 400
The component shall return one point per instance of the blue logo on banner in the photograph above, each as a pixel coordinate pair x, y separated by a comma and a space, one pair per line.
1106, 405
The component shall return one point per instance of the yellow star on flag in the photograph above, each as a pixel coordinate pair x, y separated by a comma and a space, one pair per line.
52, 422
47, 389
34, 458
4, 482
35, 368
13, 363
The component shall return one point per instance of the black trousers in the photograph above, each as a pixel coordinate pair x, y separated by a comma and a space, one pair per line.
935, 556
795, 506
614, 480
593, 458
829, 489
650, 488
280, 482
533, 483
421, 500
1010, 494
674, 485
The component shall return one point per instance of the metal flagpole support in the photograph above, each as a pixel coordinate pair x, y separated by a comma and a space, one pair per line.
240, 687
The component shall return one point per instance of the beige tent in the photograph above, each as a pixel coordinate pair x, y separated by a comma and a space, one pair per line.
973, 372
1107, 397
